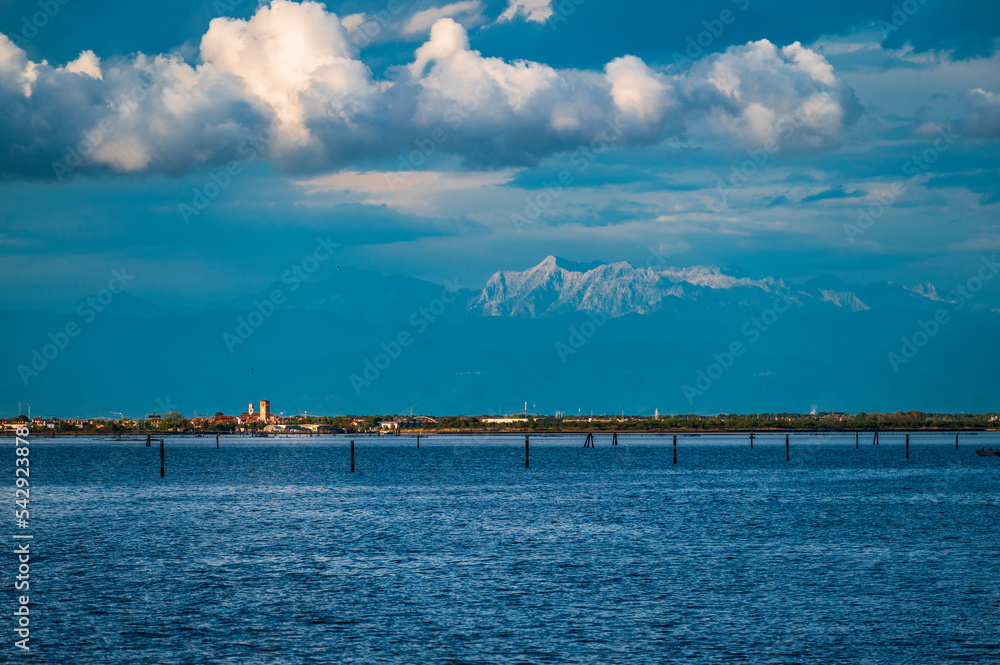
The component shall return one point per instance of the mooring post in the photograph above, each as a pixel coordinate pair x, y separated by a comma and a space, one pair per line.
751, 440
216, 441
956, 440
786, 448
675, 449
418, 440
614, 439
352, 455
857, 441
147, 440
525, 451
907, 446
162, 469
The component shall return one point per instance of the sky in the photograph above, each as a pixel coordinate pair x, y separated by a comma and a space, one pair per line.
205, 146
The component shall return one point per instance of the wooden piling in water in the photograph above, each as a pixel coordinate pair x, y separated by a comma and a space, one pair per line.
162, 468
614, 438
352, 455
589, 443
525, 451
418, 440
147, 440
675, 449
956, 440
907, 446
751, 440
786, 448
216, 441
857, 440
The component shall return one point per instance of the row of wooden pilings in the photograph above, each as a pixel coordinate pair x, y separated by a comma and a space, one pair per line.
588, 443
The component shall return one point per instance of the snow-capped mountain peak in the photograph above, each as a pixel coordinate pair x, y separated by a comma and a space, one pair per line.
556, 286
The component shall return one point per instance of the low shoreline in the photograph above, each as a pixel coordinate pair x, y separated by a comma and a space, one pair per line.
521, 432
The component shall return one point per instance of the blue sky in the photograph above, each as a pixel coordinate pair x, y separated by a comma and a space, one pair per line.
450, 140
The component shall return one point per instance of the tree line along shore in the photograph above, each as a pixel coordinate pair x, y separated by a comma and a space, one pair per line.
392, 424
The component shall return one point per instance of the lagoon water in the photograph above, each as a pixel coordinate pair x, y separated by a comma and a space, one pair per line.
271, 551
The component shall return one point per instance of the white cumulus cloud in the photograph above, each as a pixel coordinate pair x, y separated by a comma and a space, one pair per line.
292, 70
772, 96
296, 60
87, 63
537, 11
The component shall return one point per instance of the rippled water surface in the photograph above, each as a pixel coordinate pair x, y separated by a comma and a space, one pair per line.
272, 551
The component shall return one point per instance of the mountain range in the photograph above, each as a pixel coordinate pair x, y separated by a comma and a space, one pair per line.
556, 287
561, 336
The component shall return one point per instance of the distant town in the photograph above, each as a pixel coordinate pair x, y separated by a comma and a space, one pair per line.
260, 420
